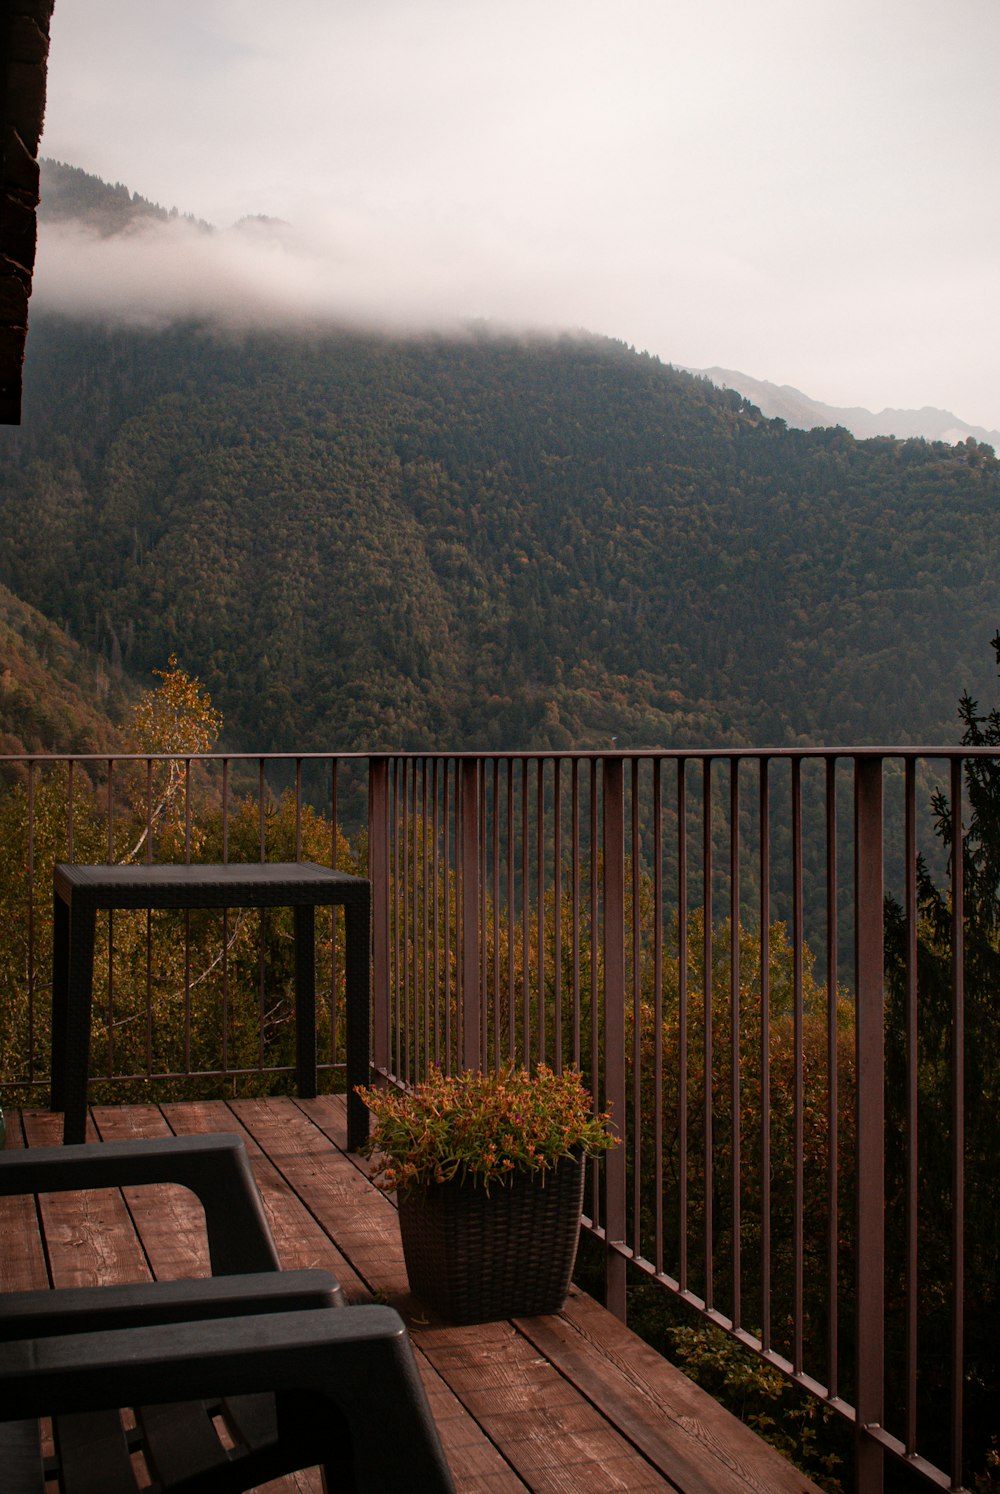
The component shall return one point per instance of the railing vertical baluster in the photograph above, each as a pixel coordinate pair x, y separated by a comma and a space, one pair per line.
511, 1023
446, 838
378, 871
833, 1095
111, 925
957, 1122
111, 810
682, 1022
261, 820
540, 899
708, 1153
404, 972
429, 1045
484, 933
765, 1055
440, 899
469, 779
70, 786
495, 885
187, 812
31, 921
225, 807
188, 1015
149, 810
658, 1012
735, 1018
557, 1038
334, 863
595, 1007
636, 1056
574, 789
334, 850
148, 973
410, 994
910, 1101
798, 1080
870, 1119
298, 809
225, 936
613, 840
525, 922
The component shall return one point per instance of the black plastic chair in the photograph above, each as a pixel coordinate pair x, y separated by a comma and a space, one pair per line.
226, 1382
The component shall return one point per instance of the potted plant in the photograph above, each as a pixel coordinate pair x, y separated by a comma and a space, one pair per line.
489, 1168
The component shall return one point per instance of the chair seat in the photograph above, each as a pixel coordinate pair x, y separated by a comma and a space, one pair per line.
186, 1447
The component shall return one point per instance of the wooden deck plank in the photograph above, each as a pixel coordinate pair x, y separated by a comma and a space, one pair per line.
538, 1418
678, 1425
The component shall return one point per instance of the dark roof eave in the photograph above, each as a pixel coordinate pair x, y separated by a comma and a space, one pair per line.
24, 34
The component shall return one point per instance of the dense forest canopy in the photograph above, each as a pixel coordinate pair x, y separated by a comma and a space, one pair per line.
363, 542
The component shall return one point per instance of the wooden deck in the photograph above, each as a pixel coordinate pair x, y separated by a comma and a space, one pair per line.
573, 1402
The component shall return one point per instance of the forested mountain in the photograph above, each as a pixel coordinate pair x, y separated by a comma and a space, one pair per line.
368, 543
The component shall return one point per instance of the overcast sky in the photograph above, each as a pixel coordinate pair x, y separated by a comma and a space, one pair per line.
805, 190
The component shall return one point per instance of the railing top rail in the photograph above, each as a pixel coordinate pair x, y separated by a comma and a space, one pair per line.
182, 757
948, 753
680, 753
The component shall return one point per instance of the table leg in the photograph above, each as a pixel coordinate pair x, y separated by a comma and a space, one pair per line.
305, 1001
357, 920
77, 1017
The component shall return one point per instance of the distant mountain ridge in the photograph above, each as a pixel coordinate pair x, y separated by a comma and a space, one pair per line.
783, 402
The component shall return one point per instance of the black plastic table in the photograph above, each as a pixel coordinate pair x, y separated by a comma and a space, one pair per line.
79, 891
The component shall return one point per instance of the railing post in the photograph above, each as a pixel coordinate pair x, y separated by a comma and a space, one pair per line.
471, 991
614, 1028
378, 872
870, 1118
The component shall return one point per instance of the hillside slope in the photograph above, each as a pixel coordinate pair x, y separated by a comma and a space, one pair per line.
54, 697
366, 543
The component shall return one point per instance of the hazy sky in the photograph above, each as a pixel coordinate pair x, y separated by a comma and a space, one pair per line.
805, 191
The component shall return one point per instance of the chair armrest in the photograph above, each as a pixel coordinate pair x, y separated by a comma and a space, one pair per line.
215, 1168
68, 1310
359, 1360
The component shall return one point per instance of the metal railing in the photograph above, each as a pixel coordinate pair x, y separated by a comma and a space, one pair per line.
704, 934
736, 948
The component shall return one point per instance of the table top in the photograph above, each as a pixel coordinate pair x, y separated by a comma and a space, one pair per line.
229, 885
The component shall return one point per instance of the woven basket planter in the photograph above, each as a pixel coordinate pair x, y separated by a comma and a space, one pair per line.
475, 1256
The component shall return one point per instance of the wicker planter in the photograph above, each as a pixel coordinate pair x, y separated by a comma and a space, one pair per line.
475, 1257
